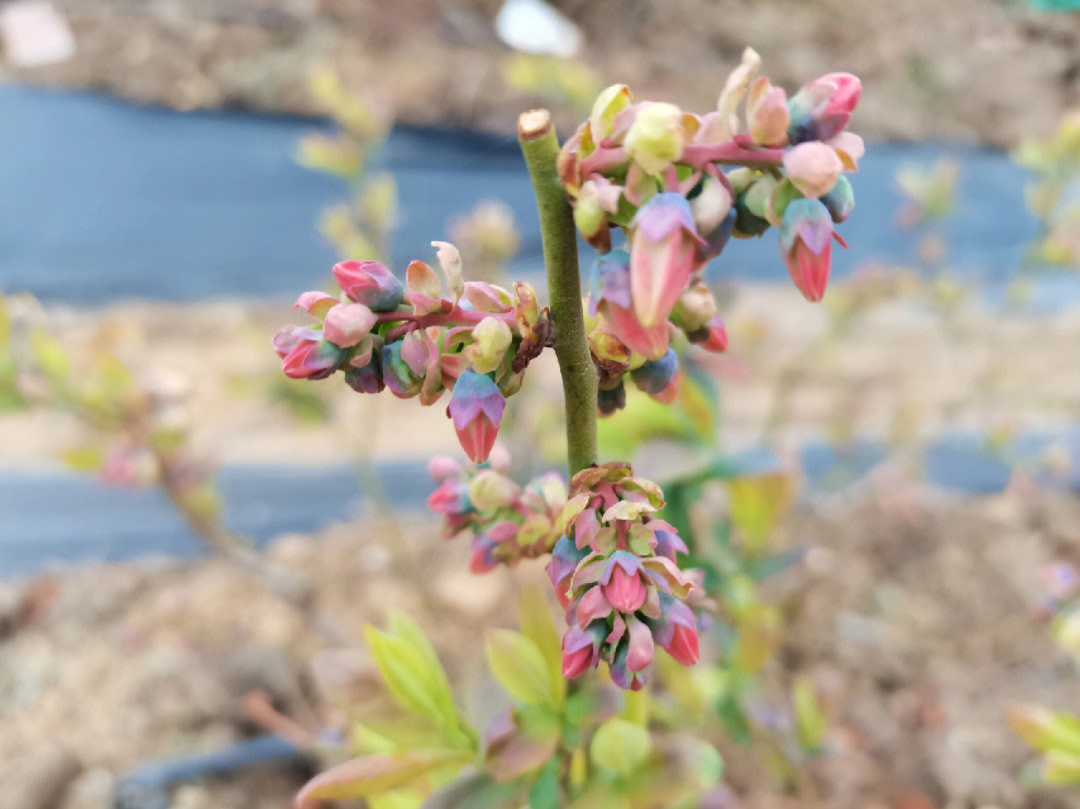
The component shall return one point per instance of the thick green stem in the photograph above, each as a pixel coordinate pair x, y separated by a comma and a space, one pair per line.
541, 149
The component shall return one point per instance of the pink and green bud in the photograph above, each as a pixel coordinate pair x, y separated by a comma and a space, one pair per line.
316, 303
312, 359
656, 138
396, 373
806, 243
663, 254
711, 206
492, 337
849, 148
451, 498
675, 631
621, 673
639, 652
346, 324
289, 338
822, 109
425, 287
655, 375
565, 557
450, 262
489, 490
767, 113
366, 379
611, 101
813, 168
712, 337
622, 582
476, 407
443, 467
369, 283
840, 200
581, 649
695, 307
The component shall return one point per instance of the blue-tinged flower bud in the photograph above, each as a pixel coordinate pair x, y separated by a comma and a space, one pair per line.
840, 200
609, 401
822, 109
663, 254
476, 407
655, 375
369, 283
396, 374
367, 379
806, 243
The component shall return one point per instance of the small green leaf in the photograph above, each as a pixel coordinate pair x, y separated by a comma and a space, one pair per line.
808, 714
84, 459
539, 627
620, 746
545, 792
519, 666
372, 775
477, 791
49, 356
1061, 769
402, 671
433, 672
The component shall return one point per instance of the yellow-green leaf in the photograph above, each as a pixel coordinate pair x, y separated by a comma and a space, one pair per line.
519, 665
539, 627
372, 775
620, 746
808, 714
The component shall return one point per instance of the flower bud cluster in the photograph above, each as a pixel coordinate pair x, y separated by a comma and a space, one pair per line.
507, 522
679, 186
415, 340
614, 570
626, 352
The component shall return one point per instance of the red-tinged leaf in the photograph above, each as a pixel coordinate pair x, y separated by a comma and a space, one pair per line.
373, 774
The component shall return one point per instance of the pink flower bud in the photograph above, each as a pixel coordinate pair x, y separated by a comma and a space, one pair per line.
806, 242
369, 283
581, 650
347, 324
315, 303
442, 467
822, 109
639, 655
767, 113
622, 583
663, 248
813, 168
476, 406
312, 359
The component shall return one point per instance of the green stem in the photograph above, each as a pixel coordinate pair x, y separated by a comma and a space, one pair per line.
541, 149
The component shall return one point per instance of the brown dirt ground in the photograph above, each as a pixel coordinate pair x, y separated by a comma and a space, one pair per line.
981, 70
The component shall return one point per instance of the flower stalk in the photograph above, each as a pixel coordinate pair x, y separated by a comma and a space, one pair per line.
540, 147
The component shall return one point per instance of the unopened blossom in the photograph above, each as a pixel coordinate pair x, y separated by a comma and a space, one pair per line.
822, 109
369, 283
610, 298
476, 407
840, 200
608, 573
311, 359
663, 254
813, 168
346, 324
655, 375
712, 336
767, 115
806, 243
656, 138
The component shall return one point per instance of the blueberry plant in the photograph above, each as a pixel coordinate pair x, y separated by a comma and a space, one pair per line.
658, 192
